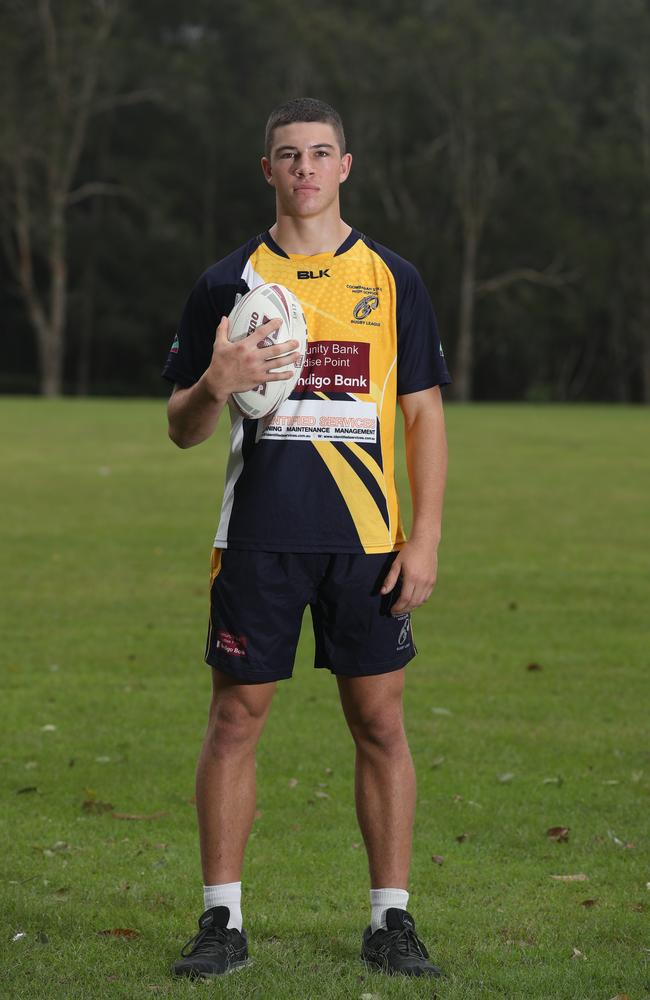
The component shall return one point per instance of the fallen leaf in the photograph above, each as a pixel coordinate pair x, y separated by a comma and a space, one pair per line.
619, 843
321, 795
441, 711
328, 770
588, 903
293, 782
558, 833
534, 666
577, 954
102, 760
18, 936
63, 891
146, 816
621, 996
26, 790
638, 907
504, 778
94, 807
439, 860
355, 846
49, 728
636, 776
461, 838
437, 761
30, 765
458, 798
121, 932
553, 781
611, 781
571, 878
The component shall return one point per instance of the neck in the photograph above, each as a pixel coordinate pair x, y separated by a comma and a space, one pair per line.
309, 236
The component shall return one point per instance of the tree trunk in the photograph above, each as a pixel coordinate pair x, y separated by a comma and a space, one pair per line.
50, 358
464, 366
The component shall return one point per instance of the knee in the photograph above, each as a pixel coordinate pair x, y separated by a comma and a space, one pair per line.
232, 726
382, 731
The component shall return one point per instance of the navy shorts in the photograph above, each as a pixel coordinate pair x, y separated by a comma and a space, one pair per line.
258, 600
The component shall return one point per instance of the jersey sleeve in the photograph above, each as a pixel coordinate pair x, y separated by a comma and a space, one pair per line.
191, 350
420, 359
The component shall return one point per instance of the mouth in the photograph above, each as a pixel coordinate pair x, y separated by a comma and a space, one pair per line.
306, 187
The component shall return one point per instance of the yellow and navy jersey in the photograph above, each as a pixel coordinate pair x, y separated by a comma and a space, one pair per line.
317, 475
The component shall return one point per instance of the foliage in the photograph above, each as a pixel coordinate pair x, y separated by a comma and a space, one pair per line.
505, 149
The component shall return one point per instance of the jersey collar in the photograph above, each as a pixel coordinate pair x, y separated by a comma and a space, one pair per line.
348, 242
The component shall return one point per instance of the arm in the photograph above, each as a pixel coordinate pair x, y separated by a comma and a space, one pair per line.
235, 367
426, 459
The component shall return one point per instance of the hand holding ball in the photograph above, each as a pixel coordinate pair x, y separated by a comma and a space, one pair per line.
256, 308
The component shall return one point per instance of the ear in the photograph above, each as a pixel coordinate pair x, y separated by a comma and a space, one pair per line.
346, 167
267, 171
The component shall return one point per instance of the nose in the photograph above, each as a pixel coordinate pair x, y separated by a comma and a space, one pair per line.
302, 166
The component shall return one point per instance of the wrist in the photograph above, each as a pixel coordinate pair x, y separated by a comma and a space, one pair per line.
427, 537
210, 388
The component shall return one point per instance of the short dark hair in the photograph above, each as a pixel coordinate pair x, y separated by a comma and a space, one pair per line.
303, 109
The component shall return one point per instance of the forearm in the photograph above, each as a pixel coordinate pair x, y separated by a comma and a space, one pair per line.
193, 414
426, 459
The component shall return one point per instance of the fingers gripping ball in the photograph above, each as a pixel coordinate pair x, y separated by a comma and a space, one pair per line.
261, 304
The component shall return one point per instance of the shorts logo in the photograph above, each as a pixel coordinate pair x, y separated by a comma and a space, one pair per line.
365, 306
233, 645
404, 634
175, 346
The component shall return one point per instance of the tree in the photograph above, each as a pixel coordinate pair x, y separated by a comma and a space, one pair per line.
54, 66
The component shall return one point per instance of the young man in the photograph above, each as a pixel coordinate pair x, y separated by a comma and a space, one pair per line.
314, 520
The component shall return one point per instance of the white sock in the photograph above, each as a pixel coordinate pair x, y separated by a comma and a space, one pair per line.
228, 894
382, 900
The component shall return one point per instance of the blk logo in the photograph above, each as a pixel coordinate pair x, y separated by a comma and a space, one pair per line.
304, 275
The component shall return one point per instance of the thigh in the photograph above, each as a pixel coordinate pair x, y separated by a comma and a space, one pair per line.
239, 706
356, 635
257, 601
372, 701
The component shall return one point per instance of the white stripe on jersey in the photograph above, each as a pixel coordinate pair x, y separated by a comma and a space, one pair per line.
233, 472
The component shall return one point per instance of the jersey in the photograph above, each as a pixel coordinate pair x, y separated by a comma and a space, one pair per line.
317, 475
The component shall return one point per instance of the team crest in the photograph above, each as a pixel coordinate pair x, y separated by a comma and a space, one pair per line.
365, 306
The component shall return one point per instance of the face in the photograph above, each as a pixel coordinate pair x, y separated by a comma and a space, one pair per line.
306, 168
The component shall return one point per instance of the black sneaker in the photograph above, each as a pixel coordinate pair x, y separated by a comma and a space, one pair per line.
397, 950
215, 950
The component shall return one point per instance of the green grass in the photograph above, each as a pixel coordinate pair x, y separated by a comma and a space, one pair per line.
106, 535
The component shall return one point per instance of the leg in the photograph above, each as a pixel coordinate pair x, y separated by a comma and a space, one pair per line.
384, 774
225, 776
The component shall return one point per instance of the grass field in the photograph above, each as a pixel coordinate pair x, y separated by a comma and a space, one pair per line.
106, 530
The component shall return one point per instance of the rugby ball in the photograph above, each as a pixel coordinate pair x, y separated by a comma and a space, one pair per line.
270, 301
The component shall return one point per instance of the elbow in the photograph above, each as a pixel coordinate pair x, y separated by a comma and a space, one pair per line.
178, 439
